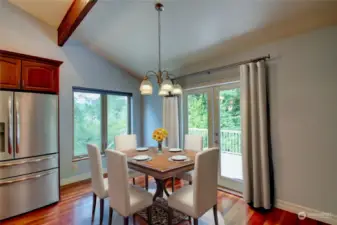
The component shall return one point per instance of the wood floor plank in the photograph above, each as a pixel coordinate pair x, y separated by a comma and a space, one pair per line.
76, 204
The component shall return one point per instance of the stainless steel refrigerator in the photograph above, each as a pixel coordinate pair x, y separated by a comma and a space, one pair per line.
29, 171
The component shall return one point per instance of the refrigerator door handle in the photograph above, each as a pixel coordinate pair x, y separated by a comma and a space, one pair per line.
26, 178
17, 127
10, 124
27, 161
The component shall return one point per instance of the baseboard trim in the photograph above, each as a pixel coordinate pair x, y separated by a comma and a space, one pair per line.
308, 212
230, 191
77, 178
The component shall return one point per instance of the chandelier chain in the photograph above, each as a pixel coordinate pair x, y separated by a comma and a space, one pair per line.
159, 42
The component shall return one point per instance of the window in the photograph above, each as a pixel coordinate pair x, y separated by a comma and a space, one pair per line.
98, 117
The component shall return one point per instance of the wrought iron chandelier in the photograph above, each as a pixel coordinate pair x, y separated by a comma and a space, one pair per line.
166, 81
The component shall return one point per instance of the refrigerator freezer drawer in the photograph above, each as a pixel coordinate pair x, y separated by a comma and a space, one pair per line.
26, 193
26, 166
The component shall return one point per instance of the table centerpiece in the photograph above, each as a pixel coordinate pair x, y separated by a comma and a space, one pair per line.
159, 135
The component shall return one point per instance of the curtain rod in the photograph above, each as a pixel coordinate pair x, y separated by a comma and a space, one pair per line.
209, 71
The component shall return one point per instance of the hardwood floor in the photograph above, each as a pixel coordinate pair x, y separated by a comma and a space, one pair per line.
76, 204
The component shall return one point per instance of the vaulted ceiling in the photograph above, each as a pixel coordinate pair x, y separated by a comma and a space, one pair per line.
192, 30
49, 11
125, 32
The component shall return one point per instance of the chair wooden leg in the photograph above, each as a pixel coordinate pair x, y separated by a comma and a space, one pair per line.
134, 181
111, 211
126, 220
149, 215
134, 219
190, 219
195, 221
170, 215
173, 181
101, 208
190, 182
215, 212
147, 182
94, 197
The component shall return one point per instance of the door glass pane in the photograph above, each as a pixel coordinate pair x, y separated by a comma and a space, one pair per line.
87, 121
197, 107
118, 118
230, 133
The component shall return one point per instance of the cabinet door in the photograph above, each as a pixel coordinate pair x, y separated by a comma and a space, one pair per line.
39, 77
10, 71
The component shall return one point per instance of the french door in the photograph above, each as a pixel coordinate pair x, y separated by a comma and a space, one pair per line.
214, 113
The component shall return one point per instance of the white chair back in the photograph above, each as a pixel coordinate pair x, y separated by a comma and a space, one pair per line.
193, 142
118, 182
205, 180
97, 180
125, 142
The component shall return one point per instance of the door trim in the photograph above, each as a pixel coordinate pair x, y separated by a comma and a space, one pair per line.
212, 92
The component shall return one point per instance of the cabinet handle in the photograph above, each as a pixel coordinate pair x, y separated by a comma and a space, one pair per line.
26, 178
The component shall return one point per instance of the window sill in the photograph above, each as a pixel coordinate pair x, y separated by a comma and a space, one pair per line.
81, 158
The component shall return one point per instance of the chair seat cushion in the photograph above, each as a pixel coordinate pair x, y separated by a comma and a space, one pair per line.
139, 199
182, 200
188, 176
134, 173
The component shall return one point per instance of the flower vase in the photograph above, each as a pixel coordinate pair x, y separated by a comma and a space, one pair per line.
160, 147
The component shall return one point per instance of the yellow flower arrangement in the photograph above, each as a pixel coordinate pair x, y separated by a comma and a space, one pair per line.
159, 134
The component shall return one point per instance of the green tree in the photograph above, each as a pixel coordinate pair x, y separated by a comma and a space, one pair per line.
88, 120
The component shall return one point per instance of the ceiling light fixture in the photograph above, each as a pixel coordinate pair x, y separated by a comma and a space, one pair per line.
164, 79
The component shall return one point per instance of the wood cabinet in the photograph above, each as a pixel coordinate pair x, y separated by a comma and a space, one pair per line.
28, 73
10, 72
39, 77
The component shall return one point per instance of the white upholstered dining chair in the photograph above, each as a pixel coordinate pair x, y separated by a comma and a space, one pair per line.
126, 199
196, 199
126, 143
194, 143
98, 183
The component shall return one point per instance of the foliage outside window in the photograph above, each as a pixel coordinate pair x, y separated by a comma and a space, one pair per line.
98, 117
230, 120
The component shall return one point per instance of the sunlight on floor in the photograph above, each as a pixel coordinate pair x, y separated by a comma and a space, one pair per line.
231, 166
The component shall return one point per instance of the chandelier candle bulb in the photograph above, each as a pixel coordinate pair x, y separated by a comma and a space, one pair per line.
146, 85
163, 92
177, 89
167, 85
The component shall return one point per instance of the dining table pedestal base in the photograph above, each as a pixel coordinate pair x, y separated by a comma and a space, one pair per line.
161, 188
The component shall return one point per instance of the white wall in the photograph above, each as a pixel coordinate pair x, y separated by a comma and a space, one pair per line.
303, 106
19, 32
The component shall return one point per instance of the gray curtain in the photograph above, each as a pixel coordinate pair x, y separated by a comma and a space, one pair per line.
255, 152
171, 121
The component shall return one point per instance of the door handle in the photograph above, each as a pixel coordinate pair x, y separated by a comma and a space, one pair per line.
17, 129
26, 178
10, 124
27, 161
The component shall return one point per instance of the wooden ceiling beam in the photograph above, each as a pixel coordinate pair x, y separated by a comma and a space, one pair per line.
74, 16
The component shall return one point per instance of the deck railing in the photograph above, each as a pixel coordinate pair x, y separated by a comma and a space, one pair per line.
230, 139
